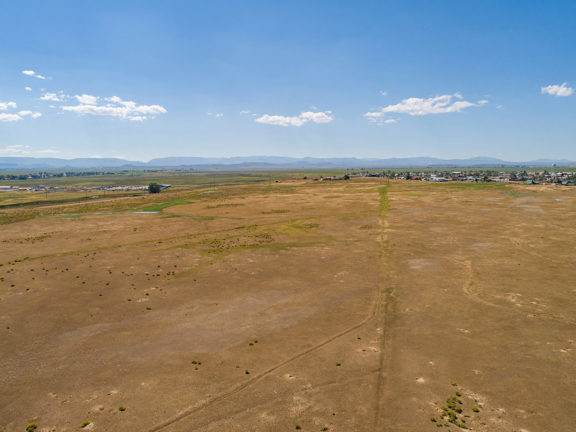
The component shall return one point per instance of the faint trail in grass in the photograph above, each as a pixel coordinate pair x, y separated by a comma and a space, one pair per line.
384, 312
473, 294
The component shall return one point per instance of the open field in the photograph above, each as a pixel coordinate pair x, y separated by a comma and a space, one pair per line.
343, 306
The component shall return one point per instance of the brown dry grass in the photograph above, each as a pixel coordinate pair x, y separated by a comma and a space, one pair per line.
257, 308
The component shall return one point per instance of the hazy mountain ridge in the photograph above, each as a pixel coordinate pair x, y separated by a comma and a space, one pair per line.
268, 162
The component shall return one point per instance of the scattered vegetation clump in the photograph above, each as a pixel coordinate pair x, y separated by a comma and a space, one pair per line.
122, 408
85, 423
31, 427
453, 412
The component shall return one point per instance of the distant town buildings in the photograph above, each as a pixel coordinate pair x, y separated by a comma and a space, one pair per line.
565, 178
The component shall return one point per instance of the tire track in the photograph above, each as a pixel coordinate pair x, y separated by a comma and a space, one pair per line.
282, 395
222, 396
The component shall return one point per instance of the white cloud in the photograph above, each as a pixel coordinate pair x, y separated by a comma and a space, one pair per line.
557, 90
424, 106
383, 93
305, 117
114, 107
12, 150
49, 151
217, 115
51, 97
244, 112
32, 114
5, 105
391, 121
12, 117
28, 88
31, 73
87, 99
4, 117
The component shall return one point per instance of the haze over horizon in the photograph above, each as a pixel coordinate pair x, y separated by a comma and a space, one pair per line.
368, 79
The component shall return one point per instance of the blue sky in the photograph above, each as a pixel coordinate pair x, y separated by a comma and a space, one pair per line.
144, 79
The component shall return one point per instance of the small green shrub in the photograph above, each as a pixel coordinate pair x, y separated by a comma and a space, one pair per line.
476, 409
85, 423
122, 408
31, 427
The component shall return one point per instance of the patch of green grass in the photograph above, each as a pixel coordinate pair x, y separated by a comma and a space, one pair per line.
31, 427
85, 423
223, 205
162, 206
384, 202
275, 212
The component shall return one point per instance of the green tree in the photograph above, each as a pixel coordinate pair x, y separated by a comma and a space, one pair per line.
154, 188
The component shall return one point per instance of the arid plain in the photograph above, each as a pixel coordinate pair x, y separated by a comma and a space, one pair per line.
343, 306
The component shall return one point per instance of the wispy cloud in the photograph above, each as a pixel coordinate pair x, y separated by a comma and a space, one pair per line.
33, 74
15, 150
299, 120
561, 90
5, 117
113, 107
28, 88
217, 115
424, 106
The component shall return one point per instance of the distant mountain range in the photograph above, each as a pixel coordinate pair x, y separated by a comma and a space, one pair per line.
269, 162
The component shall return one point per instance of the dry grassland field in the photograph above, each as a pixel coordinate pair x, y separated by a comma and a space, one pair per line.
342, 306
